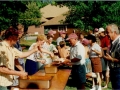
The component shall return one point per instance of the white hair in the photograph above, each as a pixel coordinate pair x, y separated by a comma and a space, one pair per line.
113, 27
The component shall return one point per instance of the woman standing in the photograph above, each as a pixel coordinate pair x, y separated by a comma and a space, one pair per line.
31, 65
95, 53
49, 47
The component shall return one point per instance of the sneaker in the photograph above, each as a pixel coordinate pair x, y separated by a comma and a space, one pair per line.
99, 88
93, 88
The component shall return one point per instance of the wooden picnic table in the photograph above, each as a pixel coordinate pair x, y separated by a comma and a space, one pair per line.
58, 80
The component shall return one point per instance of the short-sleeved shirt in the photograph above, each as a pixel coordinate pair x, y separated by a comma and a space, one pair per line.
59, 39
78, 51
95, 47
49, 47
105, 41
7, 56
35, 55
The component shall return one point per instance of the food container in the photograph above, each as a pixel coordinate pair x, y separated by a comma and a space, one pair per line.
49, 68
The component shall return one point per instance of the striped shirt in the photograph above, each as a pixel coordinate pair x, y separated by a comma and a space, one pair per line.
115, 51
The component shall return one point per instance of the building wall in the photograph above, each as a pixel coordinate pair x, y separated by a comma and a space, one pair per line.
34, 30
41, 30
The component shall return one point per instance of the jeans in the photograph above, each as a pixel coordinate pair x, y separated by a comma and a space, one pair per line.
115, 78
3, 88
78, 75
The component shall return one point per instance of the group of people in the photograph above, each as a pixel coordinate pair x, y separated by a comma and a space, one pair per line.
102, 56
94, 55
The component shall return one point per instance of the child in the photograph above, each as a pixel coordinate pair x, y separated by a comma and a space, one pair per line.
63, 51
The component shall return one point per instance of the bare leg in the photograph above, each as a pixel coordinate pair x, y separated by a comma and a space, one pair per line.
107, 79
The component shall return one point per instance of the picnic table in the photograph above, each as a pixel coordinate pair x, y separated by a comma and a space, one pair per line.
58, 80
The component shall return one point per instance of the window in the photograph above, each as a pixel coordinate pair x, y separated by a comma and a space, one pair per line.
61, 28
38, 26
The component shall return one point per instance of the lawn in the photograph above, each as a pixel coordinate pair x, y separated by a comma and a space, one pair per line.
69, 86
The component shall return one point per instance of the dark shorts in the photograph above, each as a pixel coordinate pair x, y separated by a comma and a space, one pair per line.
31, 67
78, 74
104, 64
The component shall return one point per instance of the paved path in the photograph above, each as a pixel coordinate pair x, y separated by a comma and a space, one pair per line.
30, 38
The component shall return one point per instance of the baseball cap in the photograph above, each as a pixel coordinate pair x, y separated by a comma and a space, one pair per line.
72, 36
62, 32
100, 30
96, 30
85, 42
51, 32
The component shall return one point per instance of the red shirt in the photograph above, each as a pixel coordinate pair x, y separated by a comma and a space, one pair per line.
105, 41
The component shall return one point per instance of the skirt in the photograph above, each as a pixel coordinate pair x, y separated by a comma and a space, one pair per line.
96, 64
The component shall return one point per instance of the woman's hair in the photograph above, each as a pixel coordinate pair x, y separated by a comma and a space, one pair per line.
62, 44
49, 36
41, 37
11, 33
91, 37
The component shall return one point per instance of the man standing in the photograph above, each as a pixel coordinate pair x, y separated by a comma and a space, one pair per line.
104, 43
114, 55
77, 57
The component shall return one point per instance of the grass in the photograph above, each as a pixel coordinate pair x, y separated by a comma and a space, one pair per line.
88, 85
69, 86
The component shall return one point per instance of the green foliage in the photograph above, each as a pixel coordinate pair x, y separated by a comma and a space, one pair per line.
31, 16
92, 14
25, 12
9, 13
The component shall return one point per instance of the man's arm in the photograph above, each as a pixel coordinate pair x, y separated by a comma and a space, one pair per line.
8, 71
108, 57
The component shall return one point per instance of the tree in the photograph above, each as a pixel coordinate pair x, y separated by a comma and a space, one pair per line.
92, 14
24, 12
9, 13
31, 16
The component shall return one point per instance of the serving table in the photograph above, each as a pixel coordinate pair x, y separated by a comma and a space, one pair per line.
58, 80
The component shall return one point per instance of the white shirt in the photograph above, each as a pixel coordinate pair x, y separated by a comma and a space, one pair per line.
95, 47
33, 56
78, 51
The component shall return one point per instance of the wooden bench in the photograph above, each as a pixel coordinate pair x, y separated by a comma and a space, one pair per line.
58, 80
